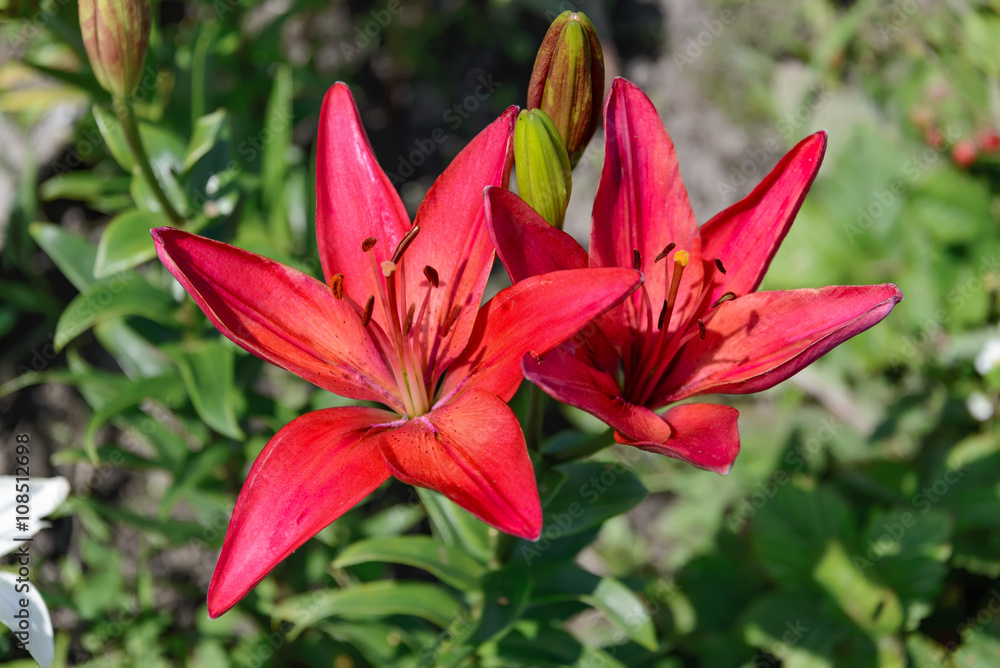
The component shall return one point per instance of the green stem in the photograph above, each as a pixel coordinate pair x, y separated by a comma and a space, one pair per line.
534, 417
126, 114
582, 449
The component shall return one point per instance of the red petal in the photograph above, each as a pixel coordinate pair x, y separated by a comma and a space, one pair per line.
568, 374
533, 316
641, 202
279, 314
758, 340
747, 235
354, 200
453, 237
313, 471
705, 435
473, 452
526, 243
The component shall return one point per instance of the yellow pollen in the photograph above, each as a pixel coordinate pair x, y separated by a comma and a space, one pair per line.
682, 258
388, 267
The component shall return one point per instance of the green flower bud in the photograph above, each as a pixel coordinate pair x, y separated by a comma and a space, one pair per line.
544, 179
116, 36
568, 80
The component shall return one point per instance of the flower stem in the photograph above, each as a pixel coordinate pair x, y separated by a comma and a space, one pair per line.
582, 449
126, 114
534, 417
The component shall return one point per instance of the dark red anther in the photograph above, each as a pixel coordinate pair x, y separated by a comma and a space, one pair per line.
369, 307
701, 329
666, 251
718, 265
368, 244
408, 323
636, 259
430, 273
337, 286
724, 298
404, 243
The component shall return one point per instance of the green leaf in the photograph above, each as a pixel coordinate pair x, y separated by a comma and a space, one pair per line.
136, 392
592, 493
206, 132
978, 650
126, 241
166, 157
195, 469
445, 562
370, 599
114, 137
874, 608
74, 256
910, 550
125, 294
278, 124
135, 355
207, 369
506, 593
456, 526
791, 531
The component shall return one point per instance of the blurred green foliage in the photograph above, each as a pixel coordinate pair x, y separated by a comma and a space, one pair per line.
859, 526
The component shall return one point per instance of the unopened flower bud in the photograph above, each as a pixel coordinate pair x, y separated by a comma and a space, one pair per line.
568, 80
544, 179
116, 36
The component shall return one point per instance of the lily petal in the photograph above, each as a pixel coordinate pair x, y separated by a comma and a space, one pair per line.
758, 340
568, 375
39, 633
279, 314
641, 202
310, 473
705, 435
746, 236
453, 237
472, 451
526, 244
354, 201
47, 494
533, 316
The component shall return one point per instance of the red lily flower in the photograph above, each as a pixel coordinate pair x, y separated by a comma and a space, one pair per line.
397, 322
697, 326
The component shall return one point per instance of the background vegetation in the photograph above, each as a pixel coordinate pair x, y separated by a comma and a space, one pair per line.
869, 482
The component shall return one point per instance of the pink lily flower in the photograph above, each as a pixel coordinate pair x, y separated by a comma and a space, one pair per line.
397, 322
697, 326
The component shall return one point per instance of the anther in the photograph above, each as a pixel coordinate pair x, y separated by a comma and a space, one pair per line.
369, 307
388, 268
368, 244
724, 298
404, 243
431, 275
718, 265
449, 321
666, 251
408, 323
663, 313
701, 329
636, 259
337, 286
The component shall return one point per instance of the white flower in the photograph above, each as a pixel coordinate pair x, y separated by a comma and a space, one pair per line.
988, 357
45, 495
980, 407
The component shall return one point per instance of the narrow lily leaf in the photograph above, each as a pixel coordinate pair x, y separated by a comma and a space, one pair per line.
100, 192
623, 608
114, 137
166, 157
74, 256
278, 123
135, 355
206, 133
456, 526
160, 387
126, 241
113, 297
593, 493
207, 369
450, 564
505, 595
195, 469
371, 599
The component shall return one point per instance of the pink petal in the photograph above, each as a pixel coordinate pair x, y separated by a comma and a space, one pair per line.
310, 473
747, 235
279, 314
453, 237
473, 452
532, 316
705, 435
526, 243
641, 201
569, 374
760, 339
354, 200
